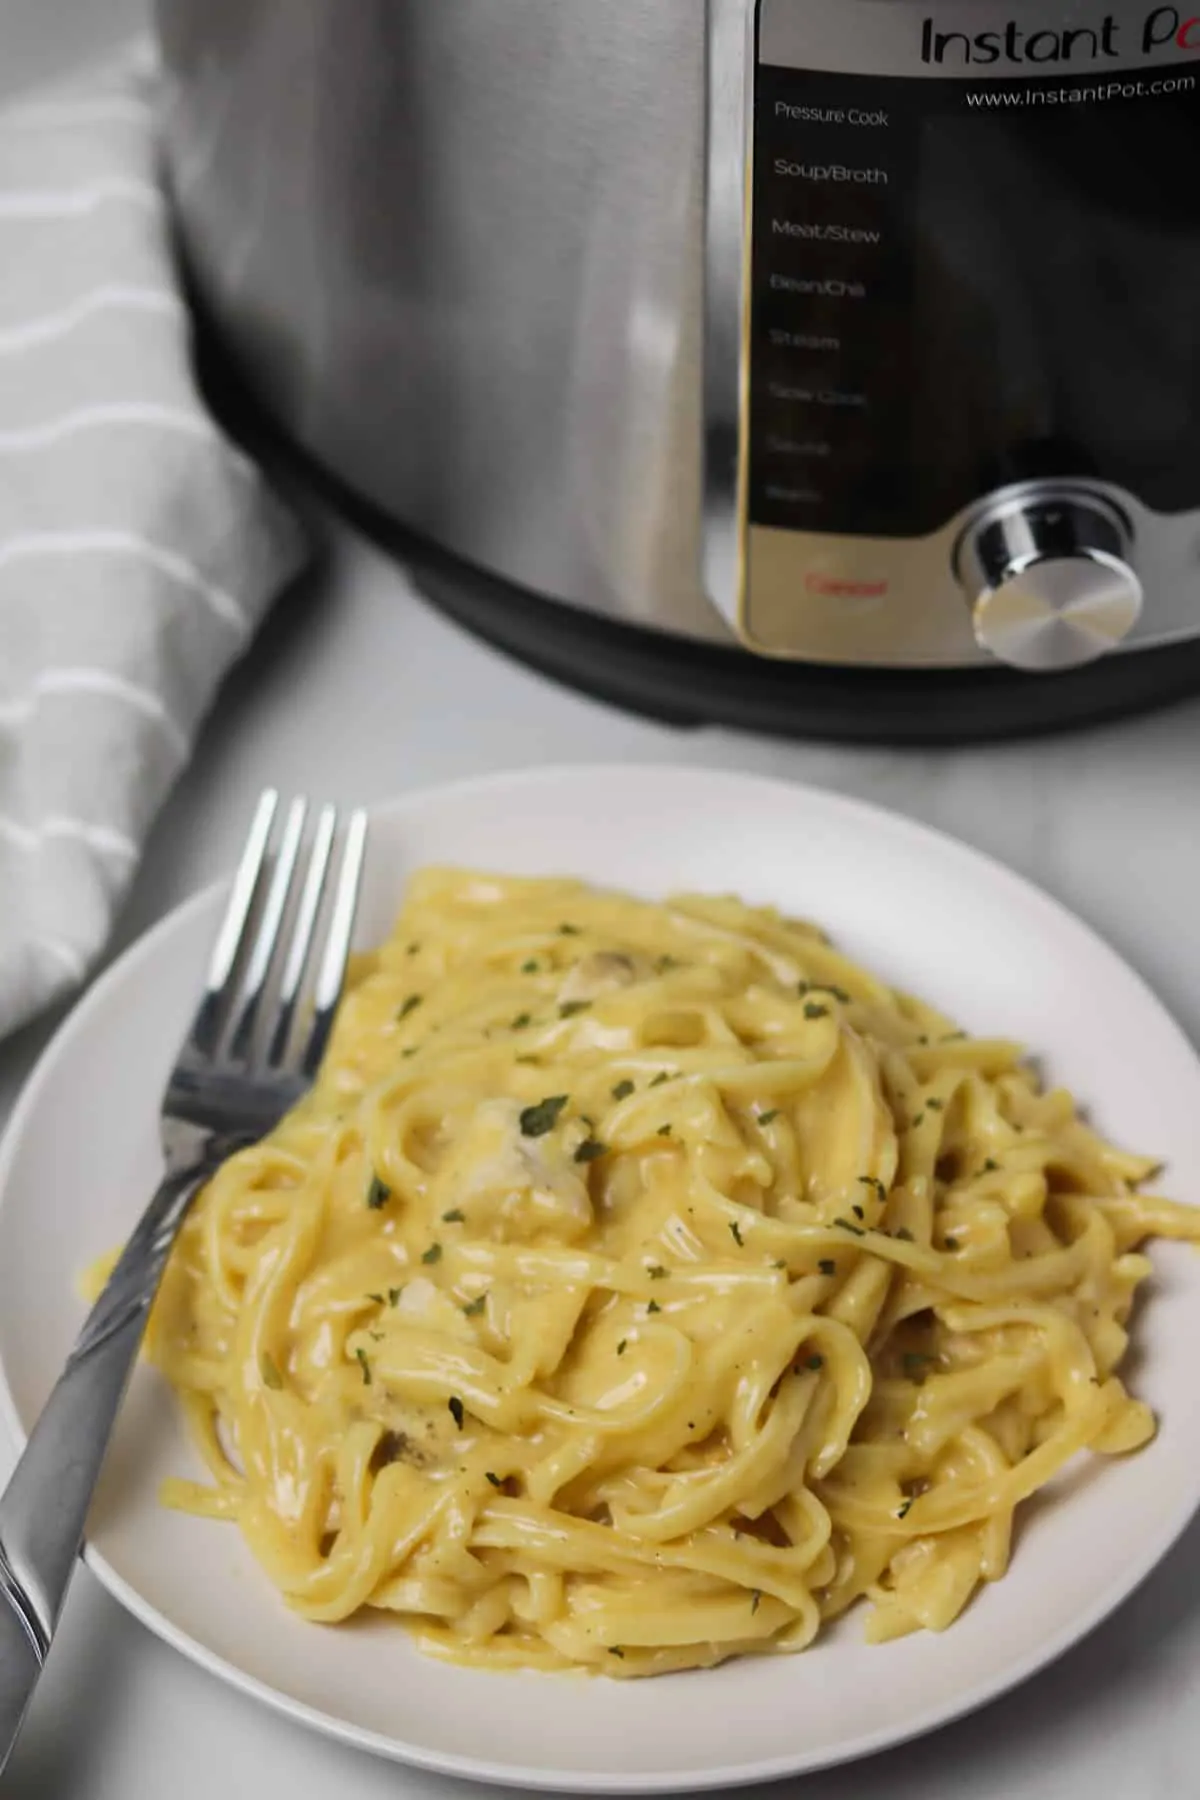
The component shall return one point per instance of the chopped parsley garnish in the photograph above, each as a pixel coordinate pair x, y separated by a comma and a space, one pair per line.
473, 1308
622, 1090
590, 1150
521, 1021
815, 1362
410, 1006
839, 994
654, 1307
494, 1479
656, 1272
569, 1008
530, 967
736, 1231
623, 1346
990, 1166
411, 1051
827, 1266
432, 1255
270, 1372
755, 1601
915, 1364
904, 1510
663, 1075
858, 1212
664, 1131
845, 1225
919, 1120
779, 1263
412, 949
394, 1296
616, 1650
951, 1243
665, 964
873, 1181
377, 1298
814, 1010
537, 1120
568, 931
935, 1105
768, 1117
364, 1365
457, 1410
904, 1234
454, 1217
378, 1194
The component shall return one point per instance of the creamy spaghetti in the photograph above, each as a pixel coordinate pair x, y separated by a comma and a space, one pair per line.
643, 1285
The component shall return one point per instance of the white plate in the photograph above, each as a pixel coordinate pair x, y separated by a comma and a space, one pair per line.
929, 914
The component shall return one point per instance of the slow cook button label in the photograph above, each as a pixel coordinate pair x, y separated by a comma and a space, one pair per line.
779, 390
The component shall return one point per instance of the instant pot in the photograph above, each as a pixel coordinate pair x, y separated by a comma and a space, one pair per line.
818, 365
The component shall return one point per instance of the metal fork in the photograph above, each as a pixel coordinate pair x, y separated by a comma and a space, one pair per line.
246, 1060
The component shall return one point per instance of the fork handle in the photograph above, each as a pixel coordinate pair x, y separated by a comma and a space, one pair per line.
44, 1508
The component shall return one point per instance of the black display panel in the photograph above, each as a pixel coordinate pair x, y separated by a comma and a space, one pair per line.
957, 285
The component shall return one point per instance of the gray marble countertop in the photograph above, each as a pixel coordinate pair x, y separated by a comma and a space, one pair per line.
357, 690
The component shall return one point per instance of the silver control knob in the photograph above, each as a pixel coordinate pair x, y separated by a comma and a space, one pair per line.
1050, 581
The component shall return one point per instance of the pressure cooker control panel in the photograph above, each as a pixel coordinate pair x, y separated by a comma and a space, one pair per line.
969, 402
833, 294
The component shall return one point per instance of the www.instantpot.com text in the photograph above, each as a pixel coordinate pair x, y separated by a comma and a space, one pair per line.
1132, 88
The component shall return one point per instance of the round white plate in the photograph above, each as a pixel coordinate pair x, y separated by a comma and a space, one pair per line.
932, 916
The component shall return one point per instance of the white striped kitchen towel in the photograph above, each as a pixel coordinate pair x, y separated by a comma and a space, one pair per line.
139, 548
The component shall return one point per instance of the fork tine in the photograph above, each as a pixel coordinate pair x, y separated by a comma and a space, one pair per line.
302, 935
206, 1027
267, 937
332, 971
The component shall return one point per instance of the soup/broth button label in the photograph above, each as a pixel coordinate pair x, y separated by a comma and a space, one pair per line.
830, 172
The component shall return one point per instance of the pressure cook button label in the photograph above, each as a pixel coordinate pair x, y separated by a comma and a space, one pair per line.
856, 116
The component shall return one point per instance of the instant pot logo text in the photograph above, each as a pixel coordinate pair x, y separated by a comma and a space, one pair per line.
1165, 28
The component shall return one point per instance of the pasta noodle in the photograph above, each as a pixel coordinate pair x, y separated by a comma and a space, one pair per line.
644, 1285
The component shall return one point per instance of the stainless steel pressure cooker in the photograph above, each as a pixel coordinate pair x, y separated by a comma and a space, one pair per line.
821, 365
